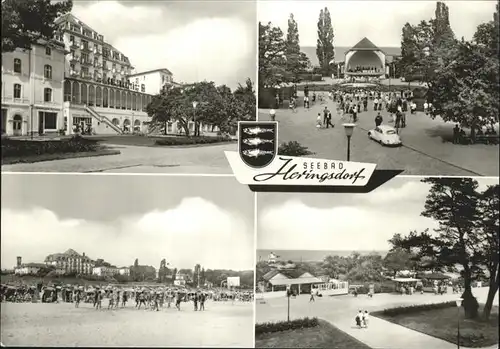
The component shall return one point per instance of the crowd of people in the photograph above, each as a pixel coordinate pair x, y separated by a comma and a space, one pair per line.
117, 296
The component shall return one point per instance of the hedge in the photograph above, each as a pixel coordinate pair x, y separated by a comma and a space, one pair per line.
271, 327
293, 148
75, 144
416, 308
171, 141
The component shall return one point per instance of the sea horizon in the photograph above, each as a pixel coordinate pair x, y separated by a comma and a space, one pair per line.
312, 255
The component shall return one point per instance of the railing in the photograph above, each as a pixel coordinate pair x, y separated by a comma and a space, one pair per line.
86, 62
74, 45
86, 49
74, 58
102, 118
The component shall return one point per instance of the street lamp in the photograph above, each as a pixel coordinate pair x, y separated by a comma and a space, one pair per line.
458, 302
195, 104
349, 129
272, 114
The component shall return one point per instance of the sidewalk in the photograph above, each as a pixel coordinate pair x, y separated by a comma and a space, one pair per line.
382, 334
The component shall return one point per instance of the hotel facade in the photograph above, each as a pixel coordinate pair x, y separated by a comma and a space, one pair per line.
78, 82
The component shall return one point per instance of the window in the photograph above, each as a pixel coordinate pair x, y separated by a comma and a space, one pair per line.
72, 38
85, 57
49, 121
17, 65
17, 91
47, 94
47, 72
72, 66
163, 79
143, 88
136, 80
48, 51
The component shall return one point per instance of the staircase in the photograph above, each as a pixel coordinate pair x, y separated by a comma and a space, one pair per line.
102, 118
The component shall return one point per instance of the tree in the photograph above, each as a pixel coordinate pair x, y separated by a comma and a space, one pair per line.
202, 276
196, 274
324, 47
216, 106
466, 91
174, 273
296, 61
272, 63
398, 259
26, 22
488, 239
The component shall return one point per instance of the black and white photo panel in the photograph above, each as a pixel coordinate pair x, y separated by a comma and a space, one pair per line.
409, 265
126, 86
98, 261
409, 85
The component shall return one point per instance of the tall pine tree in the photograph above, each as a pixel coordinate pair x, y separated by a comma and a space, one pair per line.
324, 47
296, 61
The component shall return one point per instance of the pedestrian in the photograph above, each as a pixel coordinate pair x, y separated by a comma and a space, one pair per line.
426, 108
375, 104
311, 299
202, 301
359, 318
365, 104
366, 319
272, 114
319, 122
355, 113
456, 134
325, 115
329, 120
378, 120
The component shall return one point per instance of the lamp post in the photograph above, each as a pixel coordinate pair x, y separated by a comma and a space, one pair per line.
458, 302
195, 104
288, 294
349, 129
272, 114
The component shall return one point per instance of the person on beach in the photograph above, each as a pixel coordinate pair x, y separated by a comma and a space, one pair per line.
312, 296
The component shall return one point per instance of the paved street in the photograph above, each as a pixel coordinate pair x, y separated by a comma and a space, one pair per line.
44, 324
423, 151
133, 159
341, 310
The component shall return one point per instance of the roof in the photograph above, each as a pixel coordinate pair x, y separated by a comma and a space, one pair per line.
165, 70
365, 45
36, 265
340, 52
433, 276
298, 281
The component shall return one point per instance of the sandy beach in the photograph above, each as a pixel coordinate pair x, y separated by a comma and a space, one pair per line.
37, 324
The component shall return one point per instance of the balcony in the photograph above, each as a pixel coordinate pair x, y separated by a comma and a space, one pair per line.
74, 73
86, 76
74, 59
97, 65
74, 45
85, 49
75, 30
86, 62
97, 51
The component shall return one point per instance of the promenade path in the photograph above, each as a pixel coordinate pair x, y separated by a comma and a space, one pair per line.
135, 159
423, 153
341, 310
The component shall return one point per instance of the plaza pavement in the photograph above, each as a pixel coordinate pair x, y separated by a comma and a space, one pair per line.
423, 151
341, 310
208, 159
42, 324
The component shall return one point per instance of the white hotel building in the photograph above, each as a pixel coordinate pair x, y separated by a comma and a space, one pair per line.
77, 79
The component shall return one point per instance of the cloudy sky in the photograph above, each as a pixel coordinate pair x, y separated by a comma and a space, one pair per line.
340, 222
186, 220
196, 40
380, 21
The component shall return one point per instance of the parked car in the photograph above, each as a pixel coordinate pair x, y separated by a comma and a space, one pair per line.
385, 135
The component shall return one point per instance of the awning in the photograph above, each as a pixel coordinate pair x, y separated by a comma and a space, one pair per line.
405, 280
299, 281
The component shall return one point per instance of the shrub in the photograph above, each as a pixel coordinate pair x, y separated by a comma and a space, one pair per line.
75, 144
170, 141
416, 308
280, 326
293, 148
